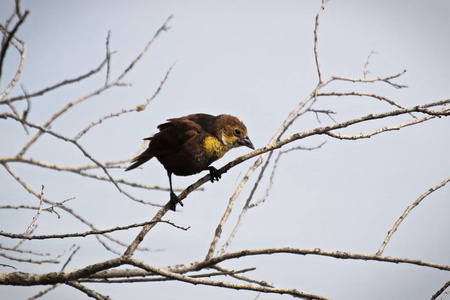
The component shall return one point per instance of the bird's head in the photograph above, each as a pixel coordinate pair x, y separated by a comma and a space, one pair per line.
232, 132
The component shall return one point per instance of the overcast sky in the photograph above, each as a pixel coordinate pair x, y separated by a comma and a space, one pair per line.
254, 60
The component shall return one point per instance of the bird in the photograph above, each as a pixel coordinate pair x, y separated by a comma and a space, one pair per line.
189, 144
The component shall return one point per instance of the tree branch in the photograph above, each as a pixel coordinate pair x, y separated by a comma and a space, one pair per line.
86, 233
407, 211
7, 37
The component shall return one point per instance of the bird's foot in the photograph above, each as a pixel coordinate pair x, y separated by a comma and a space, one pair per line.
214, 174
174, 200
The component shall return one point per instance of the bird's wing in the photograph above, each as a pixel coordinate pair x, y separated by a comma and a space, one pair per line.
173, 135
205, 121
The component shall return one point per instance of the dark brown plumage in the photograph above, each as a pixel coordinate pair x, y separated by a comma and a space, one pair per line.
188, 145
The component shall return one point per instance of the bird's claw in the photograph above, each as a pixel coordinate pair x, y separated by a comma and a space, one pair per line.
214, 174
174, 200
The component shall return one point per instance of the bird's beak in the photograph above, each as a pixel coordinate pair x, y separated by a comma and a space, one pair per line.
246, 142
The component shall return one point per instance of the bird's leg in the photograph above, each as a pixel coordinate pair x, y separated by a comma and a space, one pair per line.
214, 174
173, 198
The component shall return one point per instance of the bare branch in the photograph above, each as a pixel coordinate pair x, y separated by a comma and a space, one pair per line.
23, 251
42, 293
316, 37
323, 111
405, 214
441, 290
317, 251
29, 260
164, 27
140, 237
229, 285
274, 168
70, 257
8, 37
108, 58
244, 278
22, 51
29, 279
57, 85
18, 278
135, 275
383, 129
88, 292
86, 233
387, 80
41, 201
366, 65
8, 266
124, 111
381, 98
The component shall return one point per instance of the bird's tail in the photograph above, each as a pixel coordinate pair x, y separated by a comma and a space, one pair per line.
139, 160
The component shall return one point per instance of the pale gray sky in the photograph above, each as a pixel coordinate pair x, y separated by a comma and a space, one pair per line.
255, 60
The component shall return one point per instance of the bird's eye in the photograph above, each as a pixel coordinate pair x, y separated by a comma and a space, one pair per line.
237, 132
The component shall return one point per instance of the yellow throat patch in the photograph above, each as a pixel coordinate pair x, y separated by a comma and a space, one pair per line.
214, 147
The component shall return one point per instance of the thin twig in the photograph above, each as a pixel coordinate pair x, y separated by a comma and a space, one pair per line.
41, 201
366, 65
7, 39
407, 211
22, 51
441, 290
316, 37
29, 260
46, 291
373, 80
108, 58
88, 292
323, 111
244, 278
42, 293
57, 85
124, 111
23, 251
381, 98
86, 233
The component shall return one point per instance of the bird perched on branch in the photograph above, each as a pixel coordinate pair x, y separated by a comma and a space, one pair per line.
188, 145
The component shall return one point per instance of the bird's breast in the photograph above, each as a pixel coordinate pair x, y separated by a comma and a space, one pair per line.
214, 148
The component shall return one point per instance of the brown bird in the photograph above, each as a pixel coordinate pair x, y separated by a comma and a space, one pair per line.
188, 145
